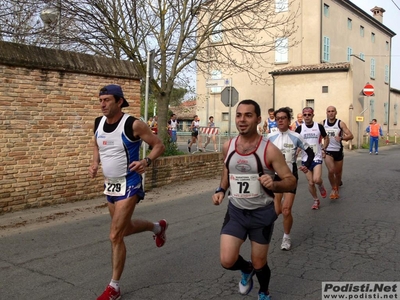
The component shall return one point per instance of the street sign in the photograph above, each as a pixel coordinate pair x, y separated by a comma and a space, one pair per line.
359, 119
231, 93
211, 83
368, 89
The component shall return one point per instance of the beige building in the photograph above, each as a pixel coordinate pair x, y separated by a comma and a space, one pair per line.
341, 49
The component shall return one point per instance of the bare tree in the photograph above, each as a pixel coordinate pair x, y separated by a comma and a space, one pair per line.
183, 35
19, 21
180, 32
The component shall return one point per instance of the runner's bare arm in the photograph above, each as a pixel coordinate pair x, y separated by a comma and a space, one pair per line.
94, 167
347, 133
217, 198
141, 130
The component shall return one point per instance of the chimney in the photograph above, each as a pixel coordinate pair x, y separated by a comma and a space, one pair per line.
378, 13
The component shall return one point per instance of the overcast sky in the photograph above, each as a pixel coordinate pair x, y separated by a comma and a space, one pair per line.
391, 18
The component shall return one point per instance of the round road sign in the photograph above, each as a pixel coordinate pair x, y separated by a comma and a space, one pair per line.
368, 89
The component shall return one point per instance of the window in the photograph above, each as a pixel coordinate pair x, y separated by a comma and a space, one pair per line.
327, 49
326, 10
372, 37
349, 53
372, 68
281, 5
387, 46
225, 116
216, 36
362, 56
386, 107
349, 23
395, 114
362, 31
310, 103
324, 89
216, 74
281, 50
386, 74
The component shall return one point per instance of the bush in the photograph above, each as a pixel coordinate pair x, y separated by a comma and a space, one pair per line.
171, 148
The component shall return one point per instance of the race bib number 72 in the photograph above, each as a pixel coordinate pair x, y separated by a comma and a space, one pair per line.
245, 186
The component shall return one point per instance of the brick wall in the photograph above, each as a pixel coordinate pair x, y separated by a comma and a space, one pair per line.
180, 168
48, 103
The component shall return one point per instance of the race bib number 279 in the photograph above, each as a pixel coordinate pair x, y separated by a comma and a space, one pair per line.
115, 186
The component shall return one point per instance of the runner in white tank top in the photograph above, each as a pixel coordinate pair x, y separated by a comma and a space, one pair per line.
118, 138
289, 142
313, 133
250, 164
195, 137
337, 131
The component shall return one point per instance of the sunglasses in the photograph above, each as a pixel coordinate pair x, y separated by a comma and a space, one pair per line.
281, 118
307, 115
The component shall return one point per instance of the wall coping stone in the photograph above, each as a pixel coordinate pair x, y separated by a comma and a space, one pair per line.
33, 57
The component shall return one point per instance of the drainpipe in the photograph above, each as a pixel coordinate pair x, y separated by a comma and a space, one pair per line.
273, 92
351, 124
390, 79
321, 17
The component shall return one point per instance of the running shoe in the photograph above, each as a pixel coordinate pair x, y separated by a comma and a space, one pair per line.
246, 283
376, 153
286, 243
322, 190
110, 294
334, 193
161, 237
316, 204
341, 183
263, 296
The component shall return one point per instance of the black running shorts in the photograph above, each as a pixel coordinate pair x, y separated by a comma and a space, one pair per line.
257, 224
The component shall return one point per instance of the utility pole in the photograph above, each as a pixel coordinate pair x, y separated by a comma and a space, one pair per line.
149, 76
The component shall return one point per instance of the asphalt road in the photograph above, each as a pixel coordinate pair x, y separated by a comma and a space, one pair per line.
355, 238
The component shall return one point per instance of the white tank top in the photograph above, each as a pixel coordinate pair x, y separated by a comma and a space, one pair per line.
196, 125
332, 132
116, 150
174, 125
312, 136
244, 171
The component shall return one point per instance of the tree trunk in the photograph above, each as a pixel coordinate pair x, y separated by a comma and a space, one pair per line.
162, 112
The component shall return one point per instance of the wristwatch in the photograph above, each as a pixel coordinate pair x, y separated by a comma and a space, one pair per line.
148, 161
220, 189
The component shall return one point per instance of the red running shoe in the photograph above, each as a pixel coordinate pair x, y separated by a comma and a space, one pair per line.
322, 190
110, 294
316, 204
161, 237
